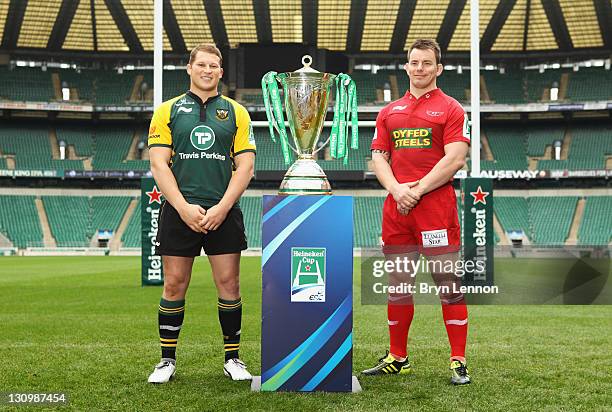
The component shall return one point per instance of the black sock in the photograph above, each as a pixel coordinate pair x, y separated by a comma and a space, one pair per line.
230, 318
170, 316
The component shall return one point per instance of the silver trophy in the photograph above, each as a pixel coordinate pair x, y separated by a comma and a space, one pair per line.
306, 94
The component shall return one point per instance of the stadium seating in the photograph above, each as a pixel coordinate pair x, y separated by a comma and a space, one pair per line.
454, 84
367, 218
19, 221
551, 218
112, 145
538, 137
107, 211
513, 214
590, 84
75, 219
175, 82
3, 164
82, 82
270, 157
251, 210
113, 88
590, 145
26, 84
70, 219
596, 225
537, 82
132, 237
78, 136
367, 83
505, 88
252, 99
32, 149
508, 147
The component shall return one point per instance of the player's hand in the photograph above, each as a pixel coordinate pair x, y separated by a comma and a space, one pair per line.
405, 196
214, 217
193, 215
403, 210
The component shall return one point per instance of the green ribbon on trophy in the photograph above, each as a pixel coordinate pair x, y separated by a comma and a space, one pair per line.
274, 112
306, 93
345, 113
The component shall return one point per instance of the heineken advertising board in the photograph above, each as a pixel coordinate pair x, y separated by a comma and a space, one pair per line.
150, 207
477, 236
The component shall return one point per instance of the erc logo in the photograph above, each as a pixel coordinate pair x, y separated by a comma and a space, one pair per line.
202, 137
412, 138
308, 274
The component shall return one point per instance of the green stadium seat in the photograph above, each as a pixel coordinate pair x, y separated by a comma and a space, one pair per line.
251, 207
70, 220
78, 136
589, 147
538, 137
590, 84
536, 82
513, 214
367, 218
111, 148
32, 149
113, 88
596, 225
132, 236
26, 84
508, 147
107, 211
19, 221
83, 82
367, 83
507, 88
551, 218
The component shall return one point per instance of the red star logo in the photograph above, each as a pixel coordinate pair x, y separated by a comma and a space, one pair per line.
154, 195
479, 196
308, 268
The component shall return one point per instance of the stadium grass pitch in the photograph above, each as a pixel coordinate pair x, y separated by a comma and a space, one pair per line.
85, 326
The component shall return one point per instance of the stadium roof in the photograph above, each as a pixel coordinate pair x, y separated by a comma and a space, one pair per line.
353, 26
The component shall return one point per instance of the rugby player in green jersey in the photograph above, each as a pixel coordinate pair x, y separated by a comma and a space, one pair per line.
202, 152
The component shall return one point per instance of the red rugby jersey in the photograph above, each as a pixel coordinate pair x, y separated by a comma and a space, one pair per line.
415, 130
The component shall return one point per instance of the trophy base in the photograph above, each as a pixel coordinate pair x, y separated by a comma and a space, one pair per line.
305, 177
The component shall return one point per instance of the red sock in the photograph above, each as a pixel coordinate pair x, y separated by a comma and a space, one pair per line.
399, 315
456, 321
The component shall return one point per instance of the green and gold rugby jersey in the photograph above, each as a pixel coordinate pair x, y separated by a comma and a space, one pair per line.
204, 138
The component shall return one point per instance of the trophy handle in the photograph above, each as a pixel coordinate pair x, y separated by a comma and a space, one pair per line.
322, 146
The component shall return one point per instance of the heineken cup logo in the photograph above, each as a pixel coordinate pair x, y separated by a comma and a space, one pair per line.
308, 274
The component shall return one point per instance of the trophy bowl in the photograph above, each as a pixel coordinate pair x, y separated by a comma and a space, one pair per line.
306, 97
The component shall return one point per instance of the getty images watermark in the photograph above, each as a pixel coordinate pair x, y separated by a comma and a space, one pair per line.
448, 273
524, 275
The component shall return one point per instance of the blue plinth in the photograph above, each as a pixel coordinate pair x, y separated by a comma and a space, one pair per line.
307, 302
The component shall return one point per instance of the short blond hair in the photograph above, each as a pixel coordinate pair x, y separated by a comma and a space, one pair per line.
427, 44
206, 48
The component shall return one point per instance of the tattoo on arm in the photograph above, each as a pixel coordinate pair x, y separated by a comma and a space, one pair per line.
384, 153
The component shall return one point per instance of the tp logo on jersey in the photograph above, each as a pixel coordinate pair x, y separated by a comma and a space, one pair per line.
308, 274
202, 137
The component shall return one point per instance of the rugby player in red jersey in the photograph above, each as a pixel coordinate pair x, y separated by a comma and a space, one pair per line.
420, 142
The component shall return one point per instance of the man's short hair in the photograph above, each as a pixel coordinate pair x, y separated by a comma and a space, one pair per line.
206, 48
427, 44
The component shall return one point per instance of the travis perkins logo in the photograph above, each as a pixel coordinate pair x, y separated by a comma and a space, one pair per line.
411, 138
480, 233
